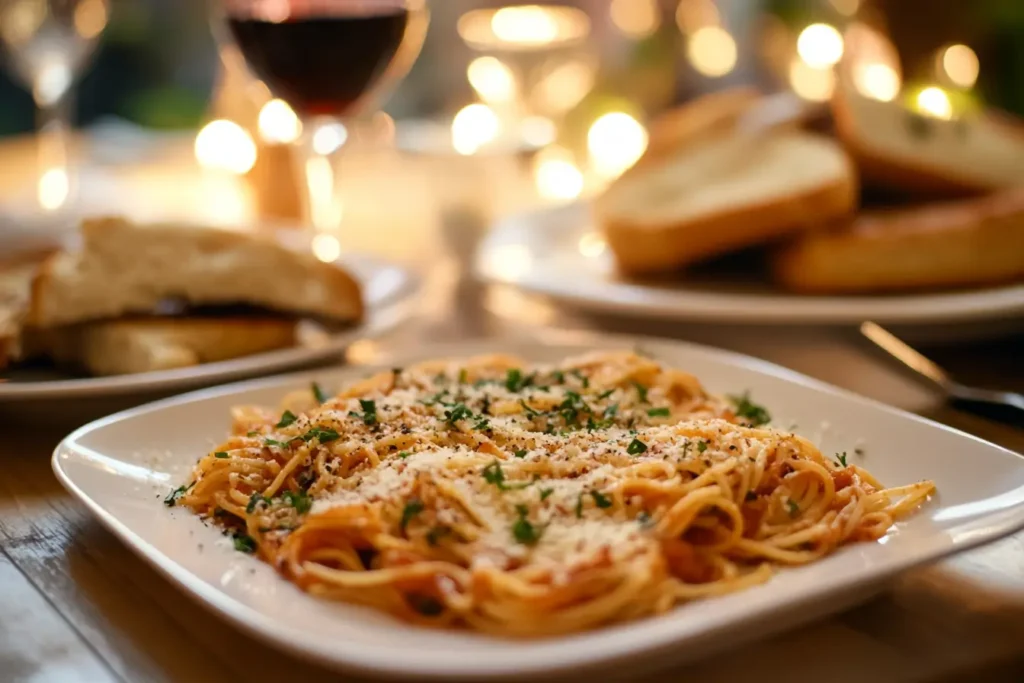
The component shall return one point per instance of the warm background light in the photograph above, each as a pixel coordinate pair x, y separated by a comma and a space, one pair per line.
278, 124
877, 81
473, 127
492, 79
712, 51
53, 188
960, 65
615, 142
329, 138
563, 86
636, 18
811, 83
326, 247
820, 45
523, 27
555, 175
90, 18
226, 146
934, 101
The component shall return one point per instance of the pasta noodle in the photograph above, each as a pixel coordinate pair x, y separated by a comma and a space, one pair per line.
530, 501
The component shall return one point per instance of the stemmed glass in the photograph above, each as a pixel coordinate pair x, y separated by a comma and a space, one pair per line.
328, 59
47, 44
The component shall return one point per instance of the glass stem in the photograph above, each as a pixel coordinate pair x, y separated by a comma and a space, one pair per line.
53, 126
322, 138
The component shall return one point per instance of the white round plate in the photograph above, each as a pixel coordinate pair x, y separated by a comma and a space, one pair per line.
389, 293
559, 253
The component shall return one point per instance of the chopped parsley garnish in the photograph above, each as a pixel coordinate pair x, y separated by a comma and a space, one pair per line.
641, 390
245, 544
369, 414
255, 500
659, 412
794, 509
319, 394
523, 530
601, 500
611, 411
559, 376
463, 376
579, 506
301, 501
521, 453
841, 458
459, 411
644, 519
514, 379
529, 411
702, 446
404, 454
544, 493
493, 474
636, 447
221, 454
751, 412
482, 423
322, 435
172, 498
275, 442
411, 509
605, 394
287, 418
584, 380
438, 532
252, 433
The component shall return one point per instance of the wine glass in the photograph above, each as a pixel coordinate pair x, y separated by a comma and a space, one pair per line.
46, 45
328, 59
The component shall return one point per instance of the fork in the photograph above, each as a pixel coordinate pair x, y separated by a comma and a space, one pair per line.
936, 376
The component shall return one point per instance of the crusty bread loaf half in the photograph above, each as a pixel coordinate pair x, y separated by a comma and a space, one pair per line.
126, 268
952, 244
724, 193
710, 114
898, 149
17, 274
118, 347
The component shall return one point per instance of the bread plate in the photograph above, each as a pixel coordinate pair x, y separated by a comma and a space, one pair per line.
559, 253
389, 293
122, 466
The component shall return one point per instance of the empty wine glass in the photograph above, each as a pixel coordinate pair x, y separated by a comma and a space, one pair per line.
46, 45
327, 59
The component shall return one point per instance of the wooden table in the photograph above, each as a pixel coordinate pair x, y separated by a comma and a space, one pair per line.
75, 604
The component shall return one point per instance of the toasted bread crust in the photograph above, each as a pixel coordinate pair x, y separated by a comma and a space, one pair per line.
127, 269
951, 244
709, 114
880, 170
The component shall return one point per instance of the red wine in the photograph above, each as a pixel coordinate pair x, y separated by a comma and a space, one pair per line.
322, 64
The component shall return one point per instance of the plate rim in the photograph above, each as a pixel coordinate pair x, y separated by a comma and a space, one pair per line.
970, 534
832, 310
381, 317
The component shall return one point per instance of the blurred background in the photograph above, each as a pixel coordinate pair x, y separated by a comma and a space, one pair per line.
575, 83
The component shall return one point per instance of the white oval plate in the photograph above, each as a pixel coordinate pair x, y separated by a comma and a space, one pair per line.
122, 466
559, 253
389, 292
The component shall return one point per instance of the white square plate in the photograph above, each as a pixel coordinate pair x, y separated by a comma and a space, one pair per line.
123, 465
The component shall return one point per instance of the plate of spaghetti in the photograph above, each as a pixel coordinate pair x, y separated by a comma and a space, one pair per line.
502, 508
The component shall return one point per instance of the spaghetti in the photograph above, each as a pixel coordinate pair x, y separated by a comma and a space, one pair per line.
531, 501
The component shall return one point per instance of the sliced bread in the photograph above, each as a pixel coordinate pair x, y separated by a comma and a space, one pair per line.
715, 112
125, 268
900, 149
723, 193
952, 244
118, 347
16, 276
